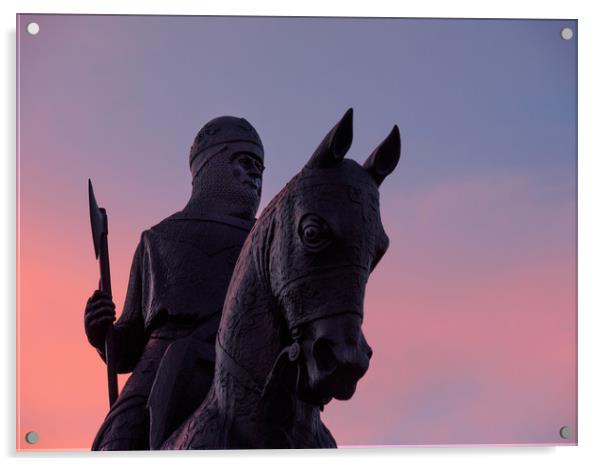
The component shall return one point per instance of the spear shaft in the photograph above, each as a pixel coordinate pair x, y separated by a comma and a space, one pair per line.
100, 230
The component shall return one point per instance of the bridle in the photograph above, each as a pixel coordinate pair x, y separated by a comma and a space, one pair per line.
290, 354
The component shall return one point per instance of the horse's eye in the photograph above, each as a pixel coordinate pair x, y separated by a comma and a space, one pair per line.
314, 232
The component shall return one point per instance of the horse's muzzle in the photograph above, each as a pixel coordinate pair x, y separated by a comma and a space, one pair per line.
340, 366
336, 356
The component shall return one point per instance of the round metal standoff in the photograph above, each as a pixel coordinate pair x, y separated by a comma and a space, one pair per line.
32, 437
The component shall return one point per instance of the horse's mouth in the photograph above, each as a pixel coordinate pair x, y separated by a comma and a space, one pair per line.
316, 395
317, 400
345, 391
328, 389
342, 390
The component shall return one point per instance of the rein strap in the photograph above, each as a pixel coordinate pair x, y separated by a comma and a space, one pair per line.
245, 378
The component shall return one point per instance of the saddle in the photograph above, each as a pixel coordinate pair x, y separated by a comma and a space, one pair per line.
183, 379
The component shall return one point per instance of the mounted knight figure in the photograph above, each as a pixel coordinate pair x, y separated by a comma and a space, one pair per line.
180, 273
291, 338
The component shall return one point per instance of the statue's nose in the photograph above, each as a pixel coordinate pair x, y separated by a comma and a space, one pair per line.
254, 175
324, 355
349, 361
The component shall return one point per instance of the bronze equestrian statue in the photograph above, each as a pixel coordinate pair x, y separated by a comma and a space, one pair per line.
290, 337
177, 285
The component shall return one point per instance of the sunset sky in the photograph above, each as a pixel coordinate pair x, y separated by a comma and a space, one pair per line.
471, 313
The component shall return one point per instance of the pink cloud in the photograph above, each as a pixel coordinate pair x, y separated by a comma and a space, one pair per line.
471, 344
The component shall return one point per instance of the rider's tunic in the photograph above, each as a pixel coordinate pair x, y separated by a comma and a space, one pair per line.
178, 281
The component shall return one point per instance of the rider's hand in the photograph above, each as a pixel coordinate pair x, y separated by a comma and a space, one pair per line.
99, 315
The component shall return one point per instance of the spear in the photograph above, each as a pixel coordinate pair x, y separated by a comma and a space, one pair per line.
100, 230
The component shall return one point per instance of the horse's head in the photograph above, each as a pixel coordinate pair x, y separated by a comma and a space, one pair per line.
326, 238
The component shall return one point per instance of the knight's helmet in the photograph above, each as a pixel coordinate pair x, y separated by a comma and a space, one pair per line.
211, 157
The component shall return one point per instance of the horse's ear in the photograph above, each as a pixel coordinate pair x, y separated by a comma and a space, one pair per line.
385, 157
335, 145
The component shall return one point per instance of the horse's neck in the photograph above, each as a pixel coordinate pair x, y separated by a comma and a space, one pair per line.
251, 333
251, 325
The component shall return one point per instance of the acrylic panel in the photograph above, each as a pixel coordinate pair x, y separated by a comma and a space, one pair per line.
465, 331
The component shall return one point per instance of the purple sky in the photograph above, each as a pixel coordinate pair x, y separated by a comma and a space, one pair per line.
472, 312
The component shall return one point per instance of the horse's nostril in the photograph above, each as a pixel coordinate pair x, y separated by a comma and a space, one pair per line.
369, 351
324, 355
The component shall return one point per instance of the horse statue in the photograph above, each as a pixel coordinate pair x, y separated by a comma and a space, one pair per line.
290, 338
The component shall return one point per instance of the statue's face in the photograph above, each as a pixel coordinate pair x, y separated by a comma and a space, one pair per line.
248, 169
231, 184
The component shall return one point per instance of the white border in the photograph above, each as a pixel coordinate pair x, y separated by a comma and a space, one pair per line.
589, 450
